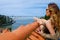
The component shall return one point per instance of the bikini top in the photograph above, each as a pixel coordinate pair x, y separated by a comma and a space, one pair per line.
45, 30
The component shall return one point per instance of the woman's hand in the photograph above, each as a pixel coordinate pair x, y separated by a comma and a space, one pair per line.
40, 21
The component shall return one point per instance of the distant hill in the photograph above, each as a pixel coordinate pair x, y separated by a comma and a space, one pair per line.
5, 20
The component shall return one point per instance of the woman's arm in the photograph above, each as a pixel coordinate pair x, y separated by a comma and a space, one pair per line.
50, 27
40, 21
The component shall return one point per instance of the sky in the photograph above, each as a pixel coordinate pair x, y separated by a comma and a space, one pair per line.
25, 7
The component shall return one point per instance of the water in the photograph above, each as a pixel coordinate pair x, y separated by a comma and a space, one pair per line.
20, 21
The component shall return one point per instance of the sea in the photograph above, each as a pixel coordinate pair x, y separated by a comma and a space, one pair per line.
20, 21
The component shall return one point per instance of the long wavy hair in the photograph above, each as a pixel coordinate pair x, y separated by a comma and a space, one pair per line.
54, 9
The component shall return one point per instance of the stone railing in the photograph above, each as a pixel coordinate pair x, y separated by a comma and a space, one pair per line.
24, 32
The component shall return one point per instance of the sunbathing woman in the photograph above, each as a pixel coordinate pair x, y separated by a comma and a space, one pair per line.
53, 23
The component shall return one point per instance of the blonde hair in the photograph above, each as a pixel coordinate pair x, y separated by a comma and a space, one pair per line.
55, 18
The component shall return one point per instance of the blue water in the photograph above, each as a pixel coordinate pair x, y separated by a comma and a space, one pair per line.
20, 22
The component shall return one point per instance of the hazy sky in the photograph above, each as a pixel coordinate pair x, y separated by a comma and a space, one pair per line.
24, 7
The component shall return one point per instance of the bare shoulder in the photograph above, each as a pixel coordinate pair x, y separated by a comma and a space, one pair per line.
44, 20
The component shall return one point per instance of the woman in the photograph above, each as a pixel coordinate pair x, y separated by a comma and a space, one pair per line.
53, 24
